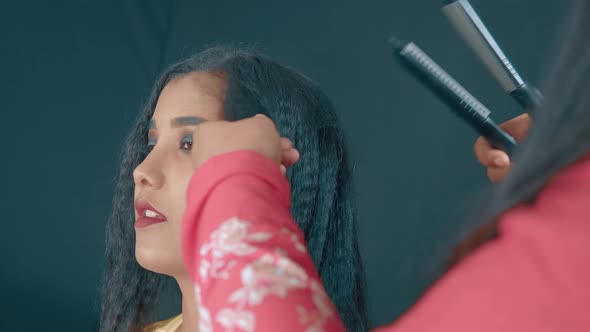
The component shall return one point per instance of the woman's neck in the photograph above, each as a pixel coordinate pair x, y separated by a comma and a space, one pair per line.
190, 312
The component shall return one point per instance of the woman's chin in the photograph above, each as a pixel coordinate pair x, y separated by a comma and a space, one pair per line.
158, 261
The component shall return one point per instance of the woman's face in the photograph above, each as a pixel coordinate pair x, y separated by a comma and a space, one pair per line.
161, 179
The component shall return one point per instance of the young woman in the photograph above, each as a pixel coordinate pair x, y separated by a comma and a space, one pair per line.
526, 268
230, 84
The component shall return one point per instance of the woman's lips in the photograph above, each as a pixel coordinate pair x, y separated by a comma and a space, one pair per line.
147, 215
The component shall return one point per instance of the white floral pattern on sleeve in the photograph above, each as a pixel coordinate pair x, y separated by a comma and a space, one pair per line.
267, 273
231, 238
204, 316
296, 240
230, 319
315, 319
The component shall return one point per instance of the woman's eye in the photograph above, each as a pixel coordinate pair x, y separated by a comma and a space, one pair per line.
187, 142
186, 145
150, 145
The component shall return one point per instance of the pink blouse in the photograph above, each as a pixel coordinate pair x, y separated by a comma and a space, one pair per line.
251, 271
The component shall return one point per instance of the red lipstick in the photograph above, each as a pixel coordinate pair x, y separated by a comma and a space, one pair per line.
147, 215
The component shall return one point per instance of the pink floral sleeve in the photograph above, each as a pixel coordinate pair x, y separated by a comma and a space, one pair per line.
245, 254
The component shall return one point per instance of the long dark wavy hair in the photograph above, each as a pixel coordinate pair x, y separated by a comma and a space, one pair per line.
320, 185
560, 134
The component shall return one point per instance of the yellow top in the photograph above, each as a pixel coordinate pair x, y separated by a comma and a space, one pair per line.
169, 325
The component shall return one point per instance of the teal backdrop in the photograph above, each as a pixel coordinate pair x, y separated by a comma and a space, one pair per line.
75, 73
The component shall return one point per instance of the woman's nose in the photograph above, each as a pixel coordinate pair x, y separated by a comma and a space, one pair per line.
148, 174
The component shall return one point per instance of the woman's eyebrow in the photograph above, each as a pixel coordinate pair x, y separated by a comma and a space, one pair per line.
186, 121
180, 122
